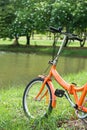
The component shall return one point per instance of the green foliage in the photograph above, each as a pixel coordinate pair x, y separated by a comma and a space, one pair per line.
42, 16
80, 15
23, 17
61, 14
7, 16
24, 22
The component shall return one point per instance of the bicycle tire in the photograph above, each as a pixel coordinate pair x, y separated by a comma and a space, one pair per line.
32, 107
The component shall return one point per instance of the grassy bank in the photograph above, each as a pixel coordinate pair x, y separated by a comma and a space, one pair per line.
42, 45
68, 51
12, 116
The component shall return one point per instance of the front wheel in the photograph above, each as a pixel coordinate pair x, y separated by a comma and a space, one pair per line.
37, 108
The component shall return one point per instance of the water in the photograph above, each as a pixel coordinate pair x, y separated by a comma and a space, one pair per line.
17, 68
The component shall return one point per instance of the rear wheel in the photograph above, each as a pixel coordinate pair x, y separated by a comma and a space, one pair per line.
37, 108
81, 114
85, 114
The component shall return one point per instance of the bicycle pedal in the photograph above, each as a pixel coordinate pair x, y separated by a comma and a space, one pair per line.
59, 93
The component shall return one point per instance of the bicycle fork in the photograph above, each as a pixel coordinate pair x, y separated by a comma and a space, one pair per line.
48, 81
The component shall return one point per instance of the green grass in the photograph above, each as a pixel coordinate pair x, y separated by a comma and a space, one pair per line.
39, 40
12, 116
22, 41
69, 51
6, 42
42, 46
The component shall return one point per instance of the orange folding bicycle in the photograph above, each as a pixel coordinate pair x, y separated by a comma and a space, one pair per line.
39, 97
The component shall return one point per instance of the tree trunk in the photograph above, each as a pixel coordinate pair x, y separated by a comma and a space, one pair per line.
28, 40
67, 30
84, 40
82, 43
66, 42
16, 41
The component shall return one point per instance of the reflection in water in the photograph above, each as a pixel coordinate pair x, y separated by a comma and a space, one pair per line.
72, 64
17, 68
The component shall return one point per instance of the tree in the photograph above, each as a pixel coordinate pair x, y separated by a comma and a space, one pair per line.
23, 17
7, 16
24, 23
71, 15
42, 15
35, 16
80, 19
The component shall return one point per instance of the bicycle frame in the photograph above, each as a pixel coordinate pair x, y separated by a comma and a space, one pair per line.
44, 98
70, 88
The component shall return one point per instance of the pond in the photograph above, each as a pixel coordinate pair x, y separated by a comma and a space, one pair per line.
18, 68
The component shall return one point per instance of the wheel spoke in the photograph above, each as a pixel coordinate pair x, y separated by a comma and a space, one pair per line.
37, 107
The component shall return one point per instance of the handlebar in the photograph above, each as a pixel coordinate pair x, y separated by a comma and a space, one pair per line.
69, 35
78, 39
55, 30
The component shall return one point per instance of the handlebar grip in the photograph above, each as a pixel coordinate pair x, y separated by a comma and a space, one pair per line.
55, 30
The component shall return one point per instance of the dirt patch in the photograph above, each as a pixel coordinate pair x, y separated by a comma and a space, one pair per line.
75, 125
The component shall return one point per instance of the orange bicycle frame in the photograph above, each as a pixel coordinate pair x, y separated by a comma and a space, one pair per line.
71, 88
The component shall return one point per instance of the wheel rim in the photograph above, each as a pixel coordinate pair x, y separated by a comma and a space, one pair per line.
37, 108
